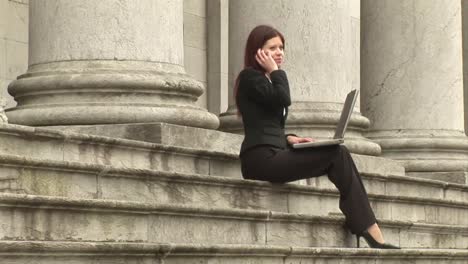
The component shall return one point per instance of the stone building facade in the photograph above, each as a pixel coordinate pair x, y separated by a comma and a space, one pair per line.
119, 141
156, 61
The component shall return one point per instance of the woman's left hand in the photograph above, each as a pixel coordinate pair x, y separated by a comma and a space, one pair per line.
294, 140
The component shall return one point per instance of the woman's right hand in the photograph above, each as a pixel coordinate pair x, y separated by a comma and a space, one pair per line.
266, 61
294, 140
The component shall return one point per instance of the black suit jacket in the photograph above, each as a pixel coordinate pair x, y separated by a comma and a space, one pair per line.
264, 107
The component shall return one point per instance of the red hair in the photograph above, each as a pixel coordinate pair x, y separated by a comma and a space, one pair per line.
257, 38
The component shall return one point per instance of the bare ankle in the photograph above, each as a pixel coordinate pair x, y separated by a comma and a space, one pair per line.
376, 233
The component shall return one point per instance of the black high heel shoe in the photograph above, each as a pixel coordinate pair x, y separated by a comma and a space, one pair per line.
372, 242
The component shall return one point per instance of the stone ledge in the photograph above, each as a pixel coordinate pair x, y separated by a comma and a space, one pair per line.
166, 134
460, 177
173, 138
101, 169
41, 134
104, 170
76, 180
253, 227
40, 143
168, 250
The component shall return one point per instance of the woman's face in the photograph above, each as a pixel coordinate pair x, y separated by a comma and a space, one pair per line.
274, 46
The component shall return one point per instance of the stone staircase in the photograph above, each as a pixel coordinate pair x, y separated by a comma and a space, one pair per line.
68, 197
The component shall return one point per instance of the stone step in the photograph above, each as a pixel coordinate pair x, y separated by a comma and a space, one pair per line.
41, 143
219, 160
440, 205
42, 218
51, 252
7, 184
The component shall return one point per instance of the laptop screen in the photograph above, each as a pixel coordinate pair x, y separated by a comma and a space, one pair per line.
346, 114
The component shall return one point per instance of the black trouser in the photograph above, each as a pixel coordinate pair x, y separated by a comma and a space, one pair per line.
266, 163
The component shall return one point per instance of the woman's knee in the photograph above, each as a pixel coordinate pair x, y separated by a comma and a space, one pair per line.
340, 149
343, 148
341, 152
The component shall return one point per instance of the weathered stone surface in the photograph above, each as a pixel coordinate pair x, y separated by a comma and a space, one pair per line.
3, 117
464, 18
64, 146
412, 82
205, 139
96, 167
217, 51
164, 133
317, 90
46, 218
16, 252
460, 177
105, 65
111, 180
14, 22
89, 181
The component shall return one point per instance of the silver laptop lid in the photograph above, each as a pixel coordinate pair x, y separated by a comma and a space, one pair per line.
346, 114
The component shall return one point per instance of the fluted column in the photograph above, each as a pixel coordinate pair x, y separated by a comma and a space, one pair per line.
412, 82
107, 62
322, 62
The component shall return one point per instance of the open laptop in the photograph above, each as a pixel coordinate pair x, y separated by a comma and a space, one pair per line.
340, 127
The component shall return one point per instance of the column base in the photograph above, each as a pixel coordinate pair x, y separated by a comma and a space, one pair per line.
230, 121
107, 92
425, 151
95, 114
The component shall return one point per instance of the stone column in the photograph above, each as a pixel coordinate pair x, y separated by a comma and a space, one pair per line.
322, 62
218, 25
465, 59
107, 62
412, 83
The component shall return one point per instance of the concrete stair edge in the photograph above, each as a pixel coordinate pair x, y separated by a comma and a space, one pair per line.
280, 225
107, 144
145, 174
67, 136
167, 250
109, 169
138, 185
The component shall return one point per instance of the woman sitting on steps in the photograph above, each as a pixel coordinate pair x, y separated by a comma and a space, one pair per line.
262, 97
